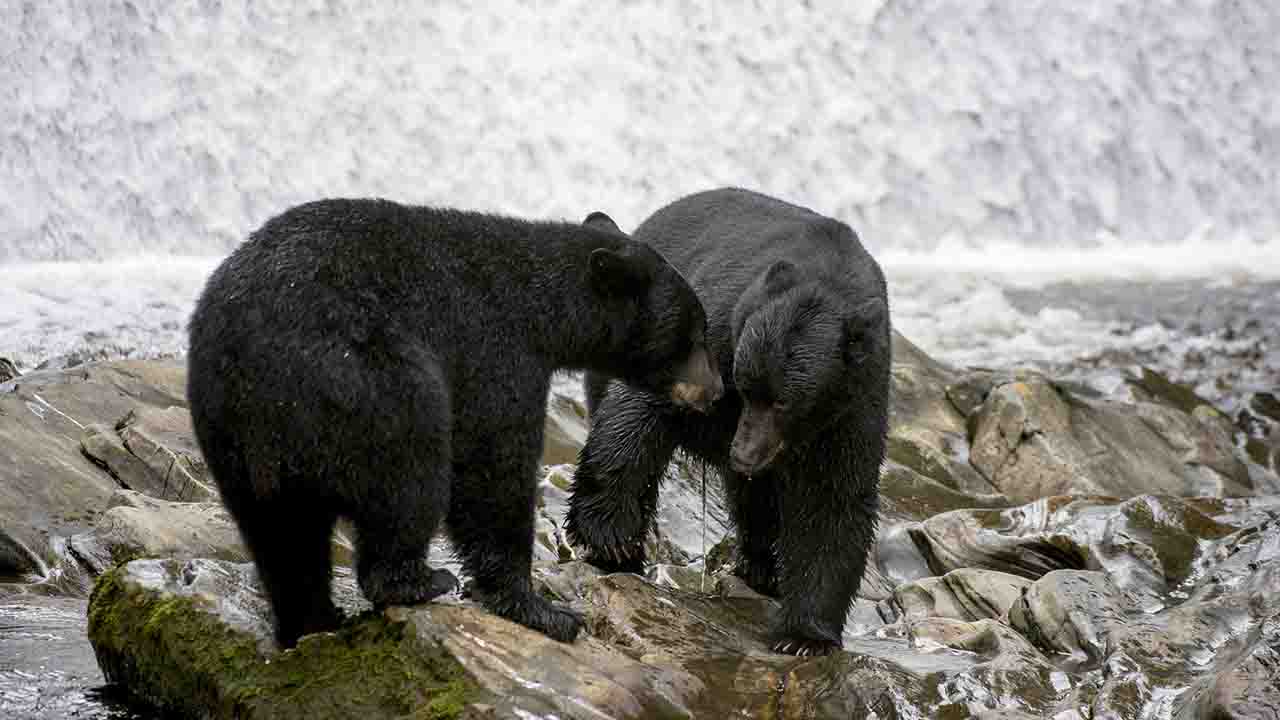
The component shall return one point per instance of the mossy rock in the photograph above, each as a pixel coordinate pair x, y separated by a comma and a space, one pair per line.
174, 653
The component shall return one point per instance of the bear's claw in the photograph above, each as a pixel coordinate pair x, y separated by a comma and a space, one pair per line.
804, 647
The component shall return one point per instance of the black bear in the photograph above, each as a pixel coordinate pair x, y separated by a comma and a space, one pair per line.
797, 317
390, 364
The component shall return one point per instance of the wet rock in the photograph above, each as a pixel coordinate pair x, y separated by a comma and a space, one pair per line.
1247, 688
193, 637
187, 637
553, 498
925, 429
969, 392
1024, 541
1069, 612
1032, 440
1259, 414
25, 555
1008, 673
45, 480
1148, 544
153, 451
941, 457
1126, 596
1221, 615
8, 370
1153, 386
566, 430
906, 494
136, 525
966, 594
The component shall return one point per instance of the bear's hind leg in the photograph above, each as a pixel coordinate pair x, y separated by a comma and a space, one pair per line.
491, 520
394, 528
615, 487
399, 484
291, 548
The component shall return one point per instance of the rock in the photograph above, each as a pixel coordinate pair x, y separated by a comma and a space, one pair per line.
25, 556
8, 370
192, 637
1259, 414
965, 594
1032, 440
1245, 689
45, 480
152, 451
187, 638
566, 430
1009, 673
1124, 595
1221, 614
1069, 612
1148, 544
136, 525
1152, 386
926, 431
549, 542
941, 457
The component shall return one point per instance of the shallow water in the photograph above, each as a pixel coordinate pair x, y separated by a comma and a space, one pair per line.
1214, 326
47, 667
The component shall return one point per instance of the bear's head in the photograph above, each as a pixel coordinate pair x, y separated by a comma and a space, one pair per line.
658, 325
803, 357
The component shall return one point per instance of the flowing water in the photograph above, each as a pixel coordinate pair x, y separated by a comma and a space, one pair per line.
1065, 186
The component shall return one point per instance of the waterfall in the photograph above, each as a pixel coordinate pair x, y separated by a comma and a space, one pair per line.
155, 128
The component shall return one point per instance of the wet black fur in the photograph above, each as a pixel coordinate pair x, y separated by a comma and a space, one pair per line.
814, 335
390, 364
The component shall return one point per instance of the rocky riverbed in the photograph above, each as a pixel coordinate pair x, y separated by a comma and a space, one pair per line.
1066, 546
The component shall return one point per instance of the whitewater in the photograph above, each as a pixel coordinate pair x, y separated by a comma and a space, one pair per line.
1044, 183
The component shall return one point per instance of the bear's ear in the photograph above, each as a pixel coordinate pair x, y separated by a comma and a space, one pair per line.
779, 278
615, 273
600, 221
863, 330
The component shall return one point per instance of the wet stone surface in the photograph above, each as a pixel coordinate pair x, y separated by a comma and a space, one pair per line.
1047, 548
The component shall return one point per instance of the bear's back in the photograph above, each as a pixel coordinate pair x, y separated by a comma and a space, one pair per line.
723, 239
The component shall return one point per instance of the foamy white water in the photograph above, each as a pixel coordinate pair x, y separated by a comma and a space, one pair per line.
163, 127
1019, 306
135, 307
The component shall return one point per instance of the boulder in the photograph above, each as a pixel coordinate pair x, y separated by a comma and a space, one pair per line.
137, 525
1032, 439
46, 482
153, 451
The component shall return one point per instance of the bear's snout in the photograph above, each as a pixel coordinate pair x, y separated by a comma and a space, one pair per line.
698, 384
757, 442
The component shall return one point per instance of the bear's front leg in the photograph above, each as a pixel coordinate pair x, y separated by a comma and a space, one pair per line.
491, 521
822, 554
615, 488
753, 503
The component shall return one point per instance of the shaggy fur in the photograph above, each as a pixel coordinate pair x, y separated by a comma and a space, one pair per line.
390, 364
798, 320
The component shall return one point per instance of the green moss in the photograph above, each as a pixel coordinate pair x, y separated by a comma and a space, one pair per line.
172, 654
1174, 530
906, 494
1162, 389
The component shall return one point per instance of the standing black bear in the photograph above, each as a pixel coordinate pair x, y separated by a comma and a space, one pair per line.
798, 320
390, 364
